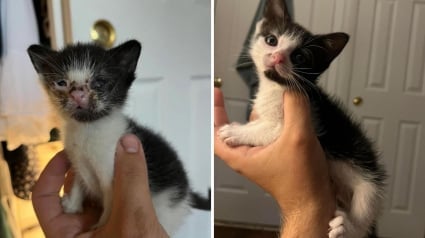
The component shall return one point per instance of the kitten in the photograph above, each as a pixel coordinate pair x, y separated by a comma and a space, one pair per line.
88, 86
288, 57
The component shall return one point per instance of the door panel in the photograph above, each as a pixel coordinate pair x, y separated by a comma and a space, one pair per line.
172, 91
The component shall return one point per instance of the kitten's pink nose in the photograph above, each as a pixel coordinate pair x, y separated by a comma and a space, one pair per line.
277, 58
80, 96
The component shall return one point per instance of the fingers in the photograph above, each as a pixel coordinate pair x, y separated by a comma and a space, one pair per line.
45, 194
132, 208
220, 116
69, 180
232, 156
297, 113
131, 179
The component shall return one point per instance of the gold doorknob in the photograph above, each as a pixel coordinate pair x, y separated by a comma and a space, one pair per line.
103, 33
218, 82
357, 101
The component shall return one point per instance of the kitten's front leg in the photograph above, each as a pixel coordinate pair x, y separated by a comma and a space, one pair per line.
73, 202
255, 133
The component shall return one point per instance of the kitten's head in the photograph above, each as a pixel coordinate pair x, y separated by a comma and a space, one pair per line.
287, 53
84, 81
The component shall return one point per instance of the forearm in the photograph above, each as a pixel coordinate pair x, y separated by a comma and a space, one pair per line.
307, 223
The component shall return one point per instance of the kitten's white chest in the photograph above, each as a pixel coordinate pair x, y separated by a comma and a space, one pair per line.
268, 103
91, 146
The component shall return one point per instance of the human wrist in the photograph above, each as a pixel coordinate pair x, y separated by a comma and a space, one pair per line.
310, 220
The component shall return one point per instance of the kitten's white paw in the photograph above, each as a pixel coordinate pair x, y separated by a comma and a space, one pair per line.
71, 205
336, 225
228, 134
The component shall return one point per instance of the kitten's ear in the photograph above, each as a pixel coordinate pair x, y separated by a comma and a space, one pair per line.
277, 10
41, 57
334, 43
127, 54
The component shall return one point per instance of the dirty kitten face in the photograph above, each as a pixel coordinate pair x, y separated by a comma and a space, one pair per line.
287, 53
84, 81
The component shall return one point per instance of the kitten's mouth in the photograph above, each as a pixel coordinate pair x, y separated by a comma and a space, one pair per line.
277, 76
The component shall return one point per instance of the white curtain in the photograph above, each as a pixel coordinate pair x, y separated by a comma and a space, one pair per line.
24, 111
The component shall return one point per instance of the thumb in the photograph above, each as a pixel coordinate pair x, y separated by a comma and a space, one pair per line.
220, 116
131, 186
297, 113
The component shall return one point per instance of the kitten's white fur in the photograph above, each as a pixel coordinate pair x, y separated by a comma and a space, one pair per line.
80, 75
364, 206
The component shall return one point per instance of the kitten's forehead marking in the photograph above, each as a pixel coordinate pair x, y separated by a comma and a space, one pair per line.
288, 42
79, 75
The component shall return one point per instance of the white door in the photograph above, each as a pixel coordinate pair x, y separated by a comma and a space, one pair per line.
384, 65
388, 73
172, 91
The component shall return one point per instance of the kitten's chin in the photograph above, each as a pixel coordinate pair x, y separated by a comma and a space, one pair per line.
84, 115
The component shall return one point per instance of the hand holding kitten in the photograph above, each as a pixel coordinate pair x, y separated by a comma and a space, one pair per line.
132, 208
292, 169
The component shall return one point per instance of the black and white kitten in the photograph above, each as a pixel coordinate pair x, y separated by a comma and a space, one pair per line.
288, 57
88, 86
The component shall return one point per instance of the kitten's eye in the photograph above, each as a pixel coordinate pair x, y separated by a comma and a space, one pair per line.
299, 58
99, 83
271, 40
61, 83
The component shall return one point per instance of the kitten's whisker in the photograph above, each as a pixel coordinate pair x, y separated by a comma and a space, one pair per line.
244, 64
303, 72
308, 83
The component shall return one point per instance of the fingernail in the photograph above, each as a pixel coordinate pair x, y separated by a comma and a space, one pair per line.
130, 144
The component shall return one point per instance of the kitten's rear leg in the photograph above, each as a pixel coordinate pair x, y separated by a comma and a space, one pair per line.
363, 205
338, 225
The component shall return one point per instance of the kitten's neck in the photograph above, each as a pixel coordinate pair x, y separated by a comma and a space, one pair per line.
265, 84
269, 97
104, 121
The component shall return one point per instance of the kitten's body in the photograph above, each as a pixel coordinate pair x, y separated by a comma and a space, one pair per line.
171, 199
288, 57
88, 86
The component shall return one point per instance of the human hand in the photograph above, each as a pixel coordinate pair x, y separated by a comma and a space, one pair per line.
132, 215
292, 169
